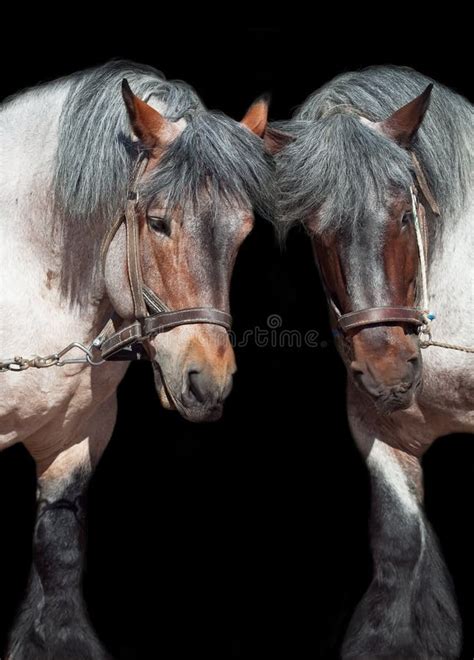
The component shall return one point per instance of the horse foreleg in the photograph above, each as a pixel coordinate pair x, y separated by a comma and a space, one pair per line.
53, 621
409, 609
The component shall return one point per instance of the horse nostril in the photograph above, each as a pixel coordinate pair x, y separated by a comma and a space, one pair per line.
414, 361
196, 386
359, 373
357, 368
202, 388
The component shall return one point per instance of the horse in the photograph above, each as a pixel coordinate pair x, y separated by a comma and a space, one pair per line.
123, 205
377, 165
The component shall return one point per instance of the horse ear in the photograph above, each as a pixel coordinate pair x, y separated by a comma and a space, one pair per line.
405, 122
148, 125
275, 140
256, 117
256, 120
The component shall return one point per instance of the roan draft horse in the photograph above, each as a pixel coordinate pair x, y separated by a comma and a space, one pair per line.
378, 166
121, 213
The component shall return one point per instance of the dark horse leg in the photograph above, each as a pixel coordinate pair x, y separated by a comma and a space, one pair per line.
409, 609
52, 622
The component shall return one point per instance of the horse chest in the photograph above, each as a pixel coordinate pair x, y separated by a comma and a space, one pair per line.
448, 389
41, 403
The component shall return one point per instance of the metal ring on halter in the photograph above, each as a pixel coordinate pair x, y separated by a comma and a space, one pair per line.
94, 363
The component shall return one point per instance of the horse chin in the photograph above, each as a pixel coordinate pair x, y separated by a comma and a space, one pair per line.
393, 404
394, 400
201, 414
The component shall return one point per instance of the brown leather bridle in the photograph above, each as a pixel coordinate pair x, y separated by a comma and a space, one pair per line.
375, 316
152, 315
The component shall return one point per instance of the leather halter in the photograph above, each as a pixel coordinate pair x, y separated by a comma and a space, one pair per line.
152, 315
375, 316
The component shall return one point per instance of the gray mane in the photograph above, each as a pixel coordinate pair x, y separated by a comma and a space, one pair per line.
215, 162
95, 157
337, 165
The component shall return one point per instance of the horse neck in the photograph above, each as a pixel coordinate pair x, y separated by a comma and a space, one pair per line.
28, 138
451, 276
28, 133
29, 127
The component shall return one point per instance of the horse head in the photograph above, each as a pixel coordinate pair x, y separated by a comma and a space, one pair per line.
196, 193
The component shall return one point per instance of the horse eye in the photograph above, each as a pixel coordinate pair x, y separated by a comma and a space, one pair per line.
160, 225
406, 218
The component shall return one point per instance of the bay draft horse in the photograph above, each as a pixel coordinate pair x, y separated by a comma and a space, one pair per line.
378, 165
121, 215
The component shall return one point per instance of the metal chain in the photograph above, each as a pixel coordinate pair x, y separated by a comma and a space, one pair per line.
19, 363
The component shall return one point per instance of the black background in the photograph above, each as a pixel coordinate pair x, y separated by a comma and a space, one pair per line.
248, 537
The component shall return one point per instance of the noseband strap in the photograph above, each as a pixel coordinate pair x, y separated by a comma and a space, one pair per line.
160, 322
168, 320
419, 317
380, 315
152, 315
